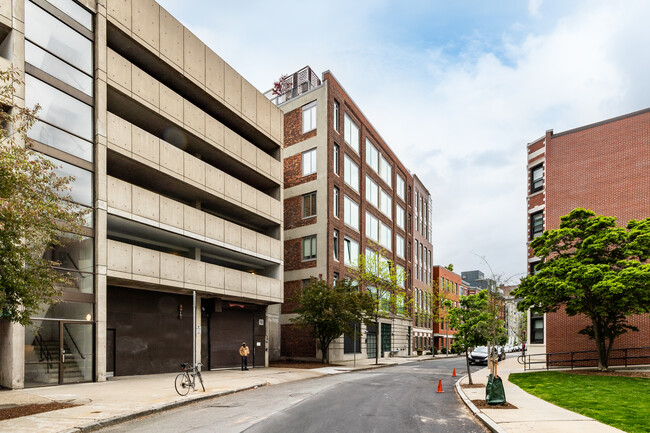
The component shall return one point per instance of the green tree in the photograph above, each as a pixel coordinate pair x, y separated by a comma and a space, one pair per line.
473, 322
328, 312
592, 267
386, 283
34, 208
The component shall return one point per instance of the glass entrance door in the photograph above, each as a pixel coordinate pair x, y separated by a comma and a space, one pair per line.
76, 352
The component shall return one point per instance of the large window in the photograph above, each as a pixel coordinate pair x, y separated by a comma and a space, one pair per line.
372, 227
386, 171
401, 186
309, 205
309, 117
336, 244
536, 224
337, 199
372, 192
400, 216
536, 328
351, 173
75, 256
350, 212
372, 156
336, 158
386, 237
351, 133
309, 247
399, 246
351, 253
309, 162
386, 204
336, 116
81, 189
536, 178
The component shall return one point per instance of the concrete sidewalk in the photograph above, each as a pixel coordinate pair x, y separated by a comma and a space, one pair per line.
124, 398
532, 414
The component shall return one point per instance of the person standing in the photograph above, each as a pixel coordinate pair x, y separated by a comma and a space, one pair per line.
243, 352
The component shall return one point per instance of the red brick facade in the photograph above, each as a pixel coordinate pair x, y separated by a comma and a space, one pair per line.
293, 128
293, 214
604, 167
451, 287
293, 172
293, 256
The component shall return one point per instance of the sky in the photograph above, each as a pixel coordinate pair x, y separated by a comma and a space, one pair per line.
457, 89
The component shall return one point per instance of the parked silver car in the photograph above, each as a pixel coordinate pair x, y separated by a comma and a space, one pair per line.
479, 355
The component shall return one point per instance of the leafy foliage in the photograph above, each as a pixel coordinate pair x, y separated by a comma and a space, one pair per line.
330, 311
34, 208
594, 268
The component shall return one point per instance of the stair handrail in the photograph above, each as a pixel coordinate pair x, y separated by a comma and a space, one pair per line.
43, 348
73, 342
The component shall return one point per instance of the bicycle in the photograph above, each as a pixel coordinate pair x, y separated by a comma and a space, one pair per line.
186, 380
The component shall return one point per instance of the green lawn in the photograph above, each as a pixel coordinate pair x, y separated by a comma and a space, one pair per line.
622, 402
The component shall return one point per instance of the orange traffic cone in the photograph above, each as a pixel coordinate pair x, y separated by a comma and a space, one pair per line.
439, 386
454, 373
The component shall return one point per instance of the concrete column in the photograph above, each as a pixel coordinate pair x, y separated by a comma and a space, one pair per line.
198, 329
273, 332
12, 355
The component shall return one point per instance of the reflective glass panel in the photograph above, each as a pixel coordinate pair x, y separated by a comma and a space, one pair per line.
58, 68
77, 352
75, 254
74, 11
66, 310
58, 108
59, 139
59, 39
82, 186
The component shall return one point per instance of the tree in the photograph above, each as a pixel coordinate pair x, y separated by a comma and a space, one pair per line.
593, 268
386, 283
330, 311
475, 322
34, 208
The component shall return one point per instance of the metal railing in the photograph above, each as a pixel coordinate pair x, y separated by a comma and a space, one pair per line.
44, 352
73, 342
585, 358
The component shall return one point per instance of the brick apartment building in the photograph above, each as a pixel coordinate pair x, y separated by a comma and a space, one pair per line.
424, 304
179, 159
451, 287
604, 167
346, 193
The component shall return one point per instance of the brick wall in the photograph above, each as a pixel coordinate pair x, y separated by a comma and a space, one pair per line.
293, 256
296, 342
293, 172
293, 214
293, 128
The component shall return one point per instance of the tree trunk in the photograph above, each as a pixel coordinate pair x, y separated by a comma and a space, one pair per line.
600, 345
324, 354
469, 373
377, 342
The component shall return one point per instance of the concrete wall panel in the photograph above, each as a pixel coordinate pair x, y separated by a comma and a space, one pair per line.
194, 56
214, 277
171, 38
171, 158
233, 142
145, 145
171, 103
118, 70
120, 10
276, 249
171, 212
214, 131
146, 22
214, 179
276, 123
264, 112
194, 272
118, 131
193, 220
264, 203
215, 73
145, 203
248, 239
194, 169
263, 161
233, 188
119, 194
263, 287
233, 233
249, 197
263, 244
233, 281
214, 227
249, 153
145, 88
172, 267
194, 117
248, 283
146, 262
249, 100
120, 256
233, 88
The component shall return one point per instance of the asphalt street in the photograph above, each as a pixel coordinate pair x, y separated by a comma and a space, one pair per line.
392, 399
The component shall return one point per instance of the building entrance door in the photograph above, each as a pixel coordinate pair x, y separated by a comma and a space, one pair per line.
385, 338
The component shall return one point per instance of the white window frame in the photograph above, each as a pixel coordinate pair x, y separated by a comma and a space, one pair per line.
309, 162
351, 133
386, 171
386, 204
385, 236
401, 187
336, 201
350, 251
313, 244
372, 227
400, 217
372, 156
400, 246
350, 212
309, 117
351, 173
372, 192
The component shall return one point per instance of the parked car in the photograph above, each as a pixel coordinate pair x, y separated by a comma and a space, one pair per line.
502, 353
479, 355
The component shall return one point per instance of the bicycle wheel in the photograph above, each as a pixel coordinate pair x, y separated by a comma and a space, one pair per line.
182, 384
198, 373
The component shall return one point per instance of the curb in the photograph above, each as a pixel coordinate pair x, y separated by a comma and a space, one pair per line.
494, 427
96, 425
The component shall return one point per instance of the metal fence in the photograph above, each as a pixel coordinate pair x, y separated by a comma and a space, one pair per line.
585, 358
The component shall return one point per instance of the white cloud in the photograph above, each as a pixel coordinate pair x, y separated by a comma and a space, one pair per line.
459, 120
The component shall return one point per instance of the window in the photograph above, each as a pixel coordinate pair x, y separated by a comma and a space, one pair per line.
350, 212
309, 117
386, 204
309, 205
372, 192
536, 328
309, 248
372, 156
351, 133
400, 216
336, 201
386, 237
351, 173
536, 224
81, 188
336, 244
336, 158
335, 279
401, 187
336, 116
309, 162
386, 171
399, 246
351, 253
532, 270
36, 56
372, 227
536, 178
400, 274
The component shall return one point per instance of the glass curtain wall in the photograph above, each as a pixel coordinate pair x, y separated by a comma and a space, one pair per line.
59, 64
